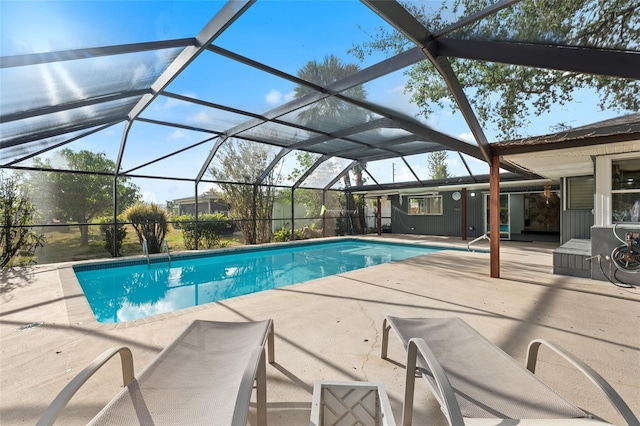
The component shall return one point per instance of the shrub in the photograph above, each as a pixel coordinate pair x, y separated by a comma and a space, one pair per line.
283, 234
150, 223
106, 228
187, 224
209, 229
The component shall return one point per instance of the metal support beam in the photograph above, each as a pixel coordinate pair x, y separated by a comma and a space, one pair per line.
93, 52
587, 60
293, 215
37, 135
123, 145
408, 25
474, 17
380, 69
58, 145
206, 163
444, 67
311, 170
274, 162
52, 109
341, 174
164, 157
463, 213
415, 127
225, 17
412, 172
494, 217
466, 166
176, 125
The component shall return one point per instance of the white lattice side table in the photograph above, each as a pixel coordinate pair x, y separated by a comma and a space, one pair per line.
350, 403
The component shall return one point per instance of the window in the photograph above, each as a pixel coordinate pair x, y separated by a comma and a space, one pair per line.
625, 190
580, 192
429, 205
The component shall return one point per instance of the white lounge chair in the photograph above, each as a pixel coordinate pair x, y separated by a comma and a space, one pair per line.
476, 382
205, 376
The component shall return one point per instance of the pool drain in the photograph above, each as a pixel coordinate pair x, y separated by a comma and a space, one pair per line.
30, 325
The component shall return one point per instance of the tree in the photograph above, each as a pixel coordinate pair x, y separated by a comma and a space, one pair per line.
510, 93
437, 164
239, 165
330, 109
81, 196
335, 111
17, 242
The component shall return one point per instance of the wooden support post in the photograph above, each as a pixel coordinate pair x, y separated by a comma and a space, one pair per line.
494, 216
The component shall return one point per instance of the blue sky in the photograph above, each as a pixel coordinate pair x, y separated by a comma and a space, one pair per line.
281, 34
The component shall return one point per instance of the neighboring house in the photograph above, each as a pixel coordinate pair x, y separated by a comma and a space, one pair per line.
207, 204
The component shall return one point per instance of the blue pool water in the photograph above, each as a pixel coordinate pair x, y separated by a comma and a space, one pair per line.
124, 293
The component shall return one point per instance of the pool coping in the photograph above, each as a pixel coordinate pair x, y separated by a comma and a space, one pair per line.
79, 312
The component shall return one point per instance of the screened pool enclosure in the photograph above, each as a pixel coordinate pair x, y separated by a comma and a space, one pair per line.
279, 120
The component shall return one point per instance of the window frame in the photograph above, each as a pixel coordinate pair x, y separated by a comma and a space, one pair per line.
424, 205
568, 192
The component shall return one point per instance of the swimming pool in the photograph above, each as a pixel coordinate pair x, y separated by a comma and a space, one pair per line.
120, 292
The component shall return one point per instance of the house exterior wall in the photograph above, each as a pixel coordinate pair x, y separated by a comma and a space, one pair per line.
191, 208
602, 244
447, 224
575, 224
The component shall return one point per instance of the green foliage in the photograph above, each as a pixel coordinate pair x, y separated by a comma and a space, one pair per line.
437, 164
209, 229
17, 242
150, 223
330, 109
283, 234
511, 94
187, 224
243, 162
172, 207
106, 229
80, 197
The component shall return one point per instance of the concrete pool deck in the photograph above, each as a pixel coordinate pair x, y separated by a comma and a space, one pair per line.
330, 329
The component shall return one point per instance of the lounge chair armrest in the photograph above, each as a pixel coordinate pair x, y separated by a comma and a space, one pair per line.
270, 343
445, 395
53, 410
613, 396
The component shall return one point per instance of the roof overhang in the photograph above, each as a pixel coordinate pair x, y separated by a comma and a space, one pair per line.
579, 161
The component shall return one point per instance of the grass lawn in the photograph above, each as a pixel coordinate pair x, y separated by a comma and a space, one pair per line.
63, 244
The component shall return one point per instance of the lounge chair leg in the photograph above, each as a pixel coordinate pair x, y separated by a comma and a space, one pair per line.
410, 381
385, 339
261, 390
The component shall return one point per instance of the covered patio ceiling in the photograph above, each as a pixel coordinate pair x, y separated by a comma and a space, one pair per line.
122, 98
